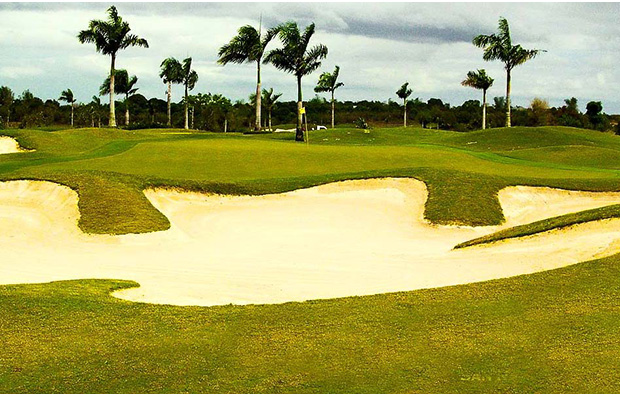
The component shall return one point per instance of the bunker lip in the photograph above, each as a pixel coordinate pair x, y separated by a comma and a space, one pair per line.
349, 238
8, 145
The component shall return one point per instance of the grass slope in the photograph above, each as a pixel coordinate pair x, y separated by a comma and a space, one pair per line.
463, 171
549, 332
559, 222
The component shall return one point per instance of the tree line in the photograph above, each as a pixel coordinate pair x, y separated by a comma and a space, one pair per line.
295, 56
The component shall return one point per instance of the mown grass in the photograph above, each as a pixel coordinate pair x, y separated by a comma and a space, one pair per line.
555, 331
463, 171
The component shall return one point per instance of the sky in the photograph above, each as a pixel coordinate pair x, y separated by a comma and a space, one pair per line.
378, 47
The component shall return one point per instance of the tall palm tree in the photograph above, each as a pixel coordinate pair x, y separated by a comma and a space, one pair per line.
123, 85
269, 100
170, 72
404, 92
189, 79
499, 47
480, 80
110, 37
328, 82
248, 46
67, 96
296, 58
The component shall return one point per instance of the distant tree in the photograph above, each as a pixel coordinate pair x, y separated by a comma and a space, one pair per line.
152, 106
328, 82
189, 78
499, 47
124, 85
296, 58
67, 96
569, 114
404, 92
6, 101
248, 46
571, 105
170, 72
540, 111
110, 37
499, 103
594, 113
269, 100
480, 80
95, 111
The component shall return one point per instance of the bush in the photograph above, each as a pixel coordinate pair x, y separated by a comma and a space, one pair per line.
360, 123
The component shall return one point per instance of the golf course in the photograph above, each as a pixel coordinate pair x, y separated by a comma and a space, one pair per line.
385, 260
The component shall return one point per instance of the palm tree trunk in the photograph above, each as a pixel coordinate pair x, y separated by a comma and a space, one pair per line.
333, 110
169, 104
507, 98
270, 128
258, 98
484, 109
299, 134
186, 118
112, 122
71, 114
405, 112
193, 110
126, 110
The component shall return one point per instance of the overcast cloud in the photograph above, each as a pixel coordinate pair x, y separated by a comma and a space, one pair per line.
378, 47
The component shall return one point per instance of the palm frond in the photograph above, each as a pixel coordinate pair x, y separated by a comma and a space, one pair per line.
404, 91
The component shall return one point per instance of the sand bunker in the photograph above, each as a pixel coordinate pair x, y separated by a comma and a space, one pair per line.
9, 145
341, 239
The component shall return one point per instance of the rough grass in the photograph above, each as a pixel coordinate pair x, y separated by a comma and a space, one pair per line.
549, 332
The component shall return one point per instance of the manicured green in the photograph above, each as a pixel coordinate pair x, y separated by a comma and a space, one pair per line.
463, 171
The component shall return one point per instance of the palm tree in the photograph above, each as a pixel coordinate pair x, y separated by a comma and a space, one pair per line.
152, 108
67, 96
109, 37
269, 100
171, 74
499, 47
124, 85
95, 111
296, 58
480, 80
248, 46
404, 92
189, 79
328, 83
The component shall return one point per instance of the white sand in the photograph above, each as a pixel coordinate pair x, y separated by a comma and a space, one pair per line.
341, 239
9, 145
